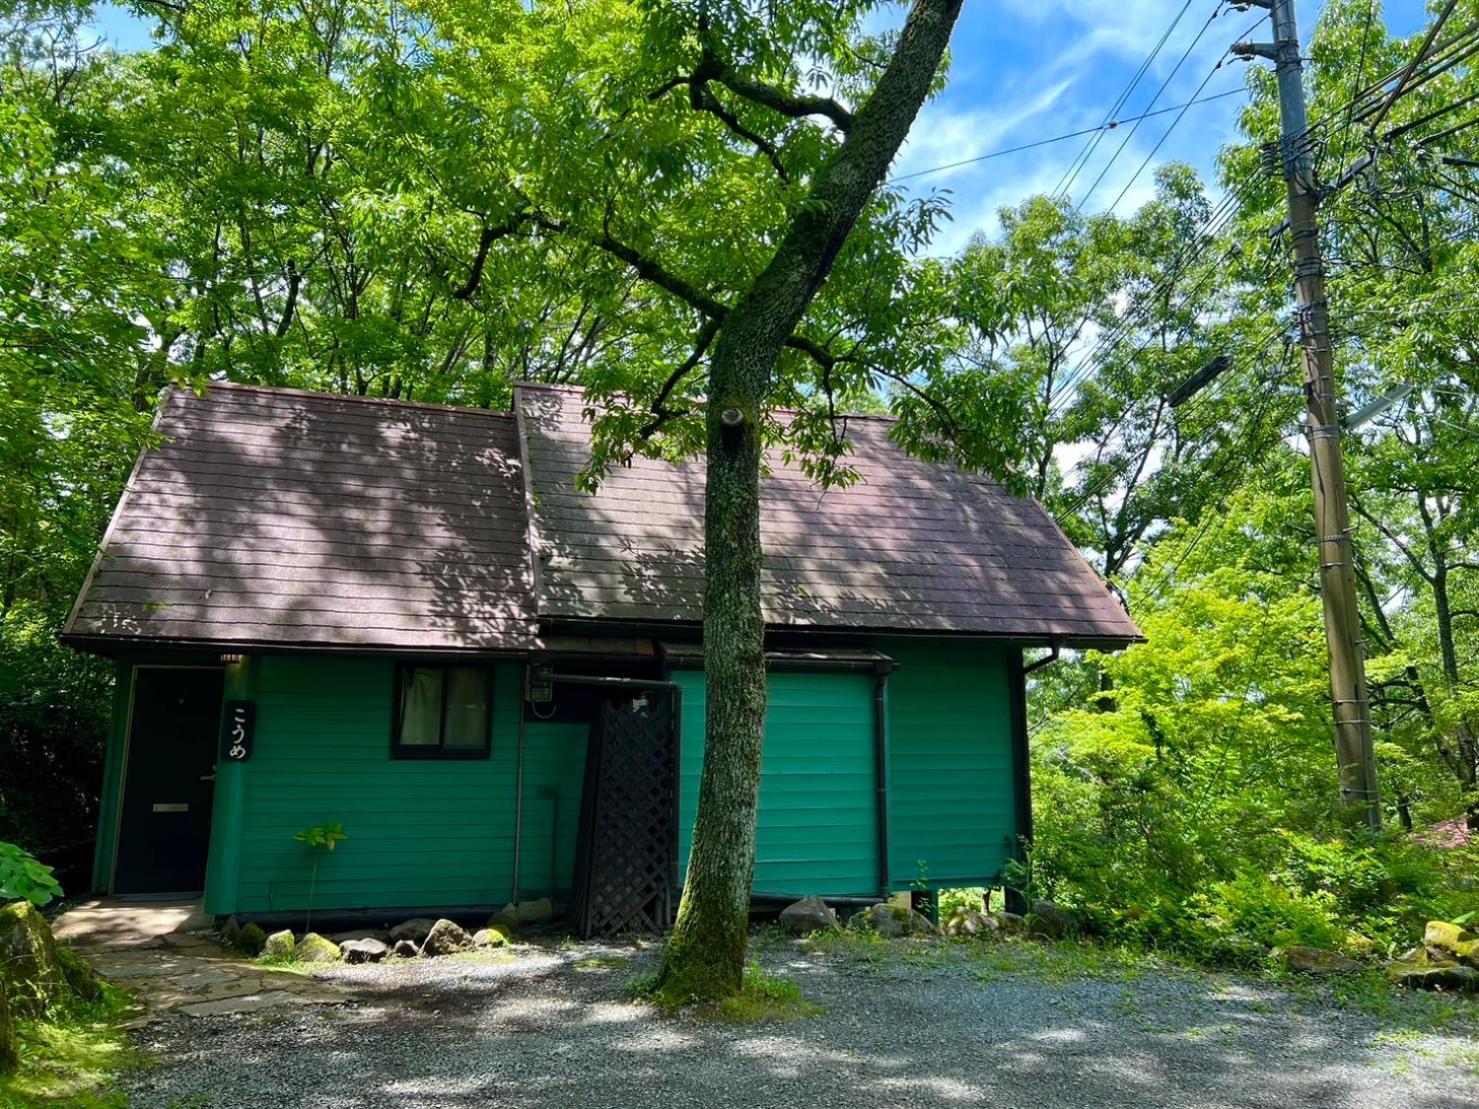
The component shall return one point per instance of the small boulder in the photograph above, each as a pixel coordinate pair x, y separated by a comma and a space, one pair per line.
490, 937
1011, 924
366, 950
538, 911
967, 922
445, 938
278, 947
230, 932
1052, 922
81, 979
888, 919
314, 948
1449, 942
810, 914
415, 930
405, 949
251, 939
1421, 976
1314, 960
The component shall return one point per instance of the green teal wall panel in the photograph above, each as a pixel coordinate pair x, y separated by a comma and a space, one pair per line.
951, 789
817, 827
102, 864
426, 832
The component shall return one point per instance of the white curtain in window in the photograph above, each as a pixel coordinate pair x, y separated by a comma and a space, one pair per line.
421, 707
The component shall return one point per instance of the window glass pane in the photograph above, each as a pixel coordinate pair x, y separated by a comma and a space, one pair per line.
467, 707
421, 706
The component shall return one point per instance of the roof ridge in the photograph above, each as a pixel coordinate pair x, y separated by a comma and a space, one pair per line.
579, 390
320, 394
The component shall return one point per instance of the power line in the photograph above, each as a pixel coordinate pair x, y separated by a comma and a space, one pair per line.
1071, 174
1164, 84
1110, 126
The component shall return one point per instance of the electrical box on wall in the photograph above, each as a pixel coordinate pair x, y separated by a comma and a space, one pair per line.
539, 685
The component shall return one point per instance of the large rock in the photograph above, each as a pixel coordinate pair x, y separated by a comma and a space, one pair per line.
888, 919
810, 914
490, 937
415, 930
445, 938
314, 948
1052, 922
1424, 976
968, 922
365, 950
405, 949
29, 966
1314, 960
278, 947
1445, 941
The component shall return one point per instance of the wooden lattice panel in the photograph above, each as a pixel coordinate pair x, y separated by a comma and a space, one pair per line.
627, 821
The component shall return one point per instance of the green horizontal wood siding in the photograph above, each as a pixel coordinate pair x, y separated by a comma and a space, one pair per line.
817, 826
952, 793
421, 832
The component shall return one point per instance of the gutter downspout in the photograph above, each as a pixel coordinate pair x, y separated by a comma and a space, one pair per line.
880, 767
1046, 660
1022, 760
519, 788
581, 679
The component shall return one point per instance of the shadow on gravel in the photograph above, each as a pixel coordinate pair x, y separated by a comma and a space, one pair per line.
555, 1029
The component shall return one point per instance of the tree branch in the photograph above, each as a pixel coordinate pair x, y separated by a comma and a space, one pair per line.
703, 100
661, 413
648, 268
489, 236
797, 106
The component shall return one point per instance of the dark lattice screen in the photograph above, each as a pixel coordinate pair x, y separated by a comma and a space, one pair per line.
627, 821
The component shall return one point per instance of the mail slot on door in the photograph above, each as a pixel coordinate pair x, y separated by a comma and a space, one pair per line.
172, 806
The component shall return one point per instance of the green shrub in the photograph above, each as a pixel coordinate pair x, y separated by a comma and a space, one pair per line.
22, 878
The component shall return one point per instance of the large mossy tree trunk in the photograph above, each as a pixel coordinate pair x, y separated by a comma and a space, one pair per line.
705, 956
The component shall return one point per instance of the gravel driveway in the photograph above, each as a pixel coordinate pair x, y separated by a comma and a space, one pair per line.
551, 1027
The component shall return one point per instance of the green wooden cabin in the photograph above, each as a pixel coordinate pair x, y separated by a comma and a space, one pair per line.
406, 619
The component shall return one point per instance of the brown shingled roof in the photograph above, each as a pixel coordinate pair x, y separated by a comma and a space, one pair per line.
276, 517
914, 546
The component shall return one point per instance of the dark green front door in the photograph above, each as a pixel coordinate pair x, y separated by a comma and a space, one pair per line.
169, 780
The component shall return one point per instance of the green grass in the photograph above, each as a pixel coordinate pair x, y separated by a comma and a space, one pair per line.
74, 1058
763, 997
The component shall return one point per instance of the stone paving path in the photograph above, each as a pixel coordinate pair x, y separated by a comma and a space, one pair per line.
149, 952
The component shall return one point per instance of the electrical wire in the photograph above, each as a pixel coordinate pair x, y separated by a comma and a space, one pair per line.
1164, 84
1071, 174
1110, 126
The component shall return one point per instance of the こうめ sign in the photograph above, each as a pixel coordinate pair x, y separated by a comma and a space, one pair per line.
236, 731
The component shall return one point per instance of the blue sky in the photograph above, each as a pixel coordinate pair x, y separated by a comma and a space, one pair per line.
1026, 70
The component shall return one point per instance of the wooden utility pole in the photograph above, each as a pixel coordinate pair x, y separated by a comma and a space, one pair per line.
1358, 785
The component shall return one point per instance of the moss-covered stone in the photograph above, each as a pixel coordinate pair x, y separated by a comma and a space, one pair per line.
1446, 941
490, 937
278, 947
10, 1055
29, 966
251, 939
314, 948
81, 979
